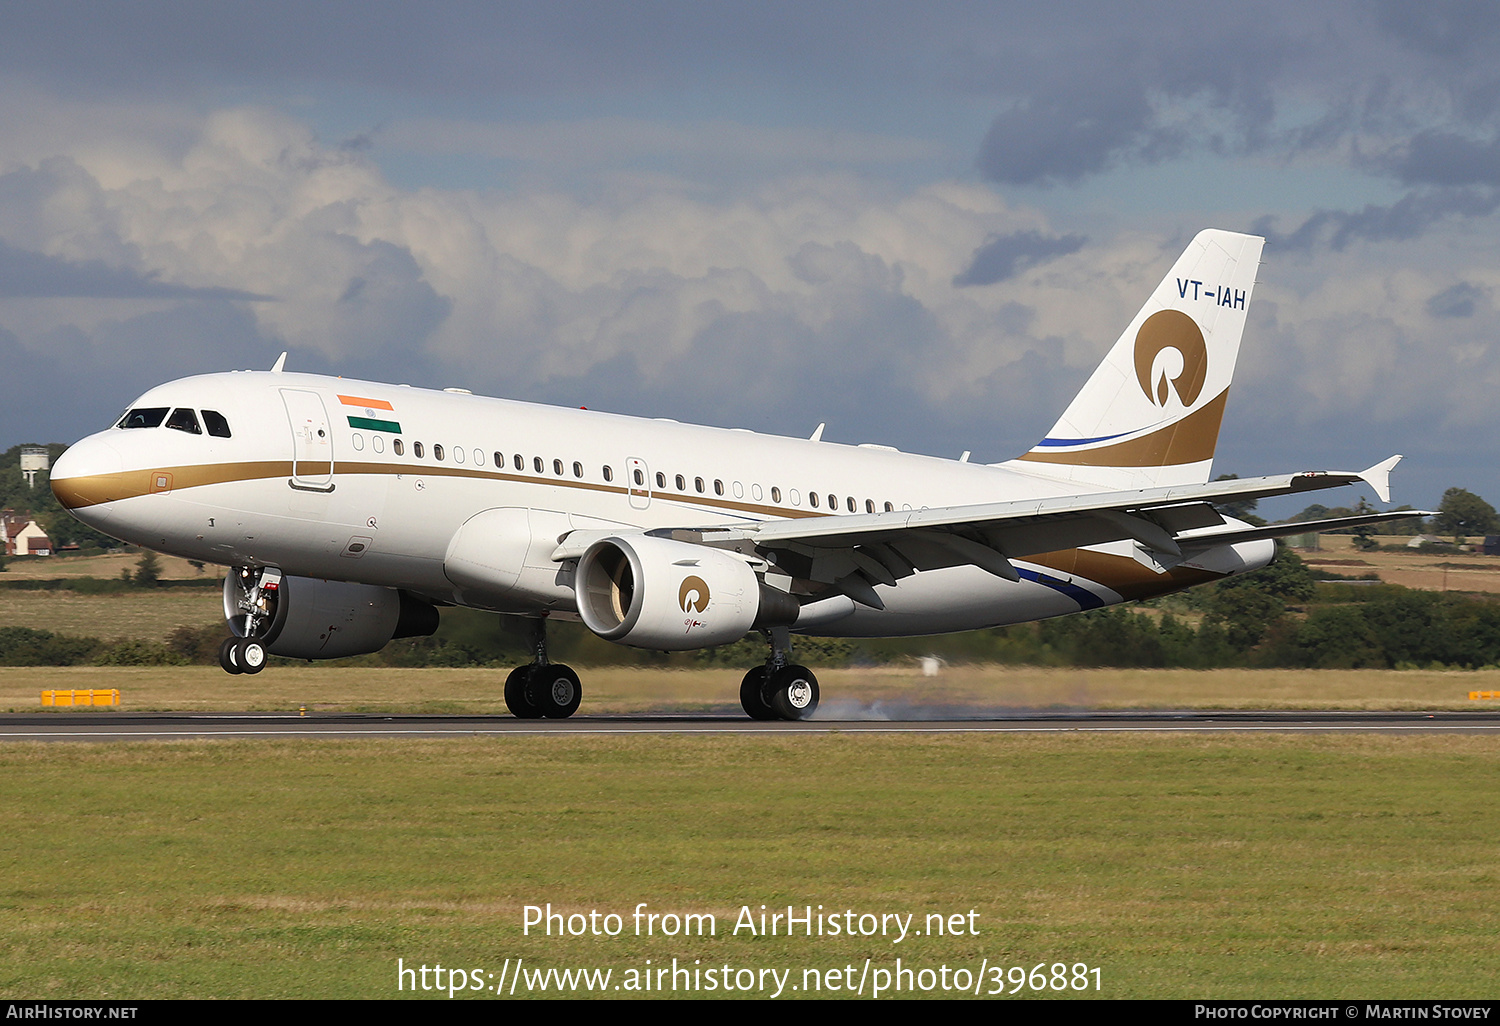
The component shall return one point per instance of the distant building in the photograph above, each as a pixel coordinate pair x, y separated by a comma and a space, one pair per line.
23, 536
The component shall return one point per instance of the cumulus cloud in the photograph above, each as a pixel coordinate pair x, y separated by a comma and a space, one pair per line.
825, 294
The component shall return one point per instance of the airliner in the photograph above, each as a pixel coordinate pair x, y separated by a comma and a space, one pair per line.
351, 511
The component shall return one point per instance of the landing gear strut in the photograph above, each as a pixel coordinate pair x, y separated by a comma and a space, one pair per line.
541, 688
779, 690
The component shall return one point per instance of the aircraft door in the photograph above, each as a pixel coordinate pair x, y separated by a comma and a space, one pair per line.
638, 480
312, 440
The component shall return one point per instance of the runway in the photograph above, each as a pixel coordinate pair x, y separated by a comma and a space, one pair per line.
96, 726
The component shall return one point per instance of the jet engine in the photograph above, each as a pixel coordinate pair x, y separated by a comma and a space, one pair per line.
307, 618
669, 595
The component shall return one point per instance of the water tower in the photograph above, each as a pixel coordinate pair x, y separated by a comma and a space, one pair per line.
34, 458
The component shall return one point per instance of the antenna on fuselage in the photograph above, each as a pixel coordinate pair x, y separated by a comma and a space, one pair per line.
279, 364
817, 436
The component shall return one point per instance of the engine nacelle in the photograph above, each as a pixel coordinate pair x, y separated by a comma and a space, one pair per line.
670, 595
317, 619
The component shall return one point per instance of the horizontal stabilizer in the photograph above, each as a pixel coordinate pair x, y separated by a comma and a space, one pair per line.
1201, 539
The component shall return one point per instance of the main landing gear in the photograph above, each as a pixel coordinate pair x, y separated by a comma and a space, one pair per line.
542, 689
779, 690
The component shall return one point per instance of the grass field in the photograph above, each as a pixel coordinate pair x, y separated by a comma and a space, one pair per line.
1243, 866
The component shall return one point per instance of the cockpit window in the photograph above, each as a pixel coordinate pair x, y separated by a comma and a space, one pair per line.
184, 419
145, 417
216, 424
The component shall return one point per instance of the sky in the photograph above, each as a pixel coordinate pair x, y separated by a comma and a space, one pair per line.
921, 224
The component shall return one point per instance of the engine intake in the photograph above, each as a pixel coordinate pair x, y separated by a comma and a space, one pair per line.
669, 595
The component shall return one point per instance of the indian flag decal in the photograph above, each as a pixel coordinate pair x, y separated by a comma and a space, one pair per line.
375, 413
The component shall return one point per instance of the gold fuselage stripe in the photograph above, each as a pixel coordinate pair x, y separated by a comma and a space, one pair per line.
97, 489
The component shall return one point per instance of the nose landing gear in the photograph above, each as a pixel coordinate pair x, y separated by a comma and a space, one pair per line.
251, 596
242, 655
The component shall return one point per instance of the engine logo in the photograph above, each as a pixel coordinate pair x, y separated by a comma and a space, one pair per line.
693, 595
1176, 331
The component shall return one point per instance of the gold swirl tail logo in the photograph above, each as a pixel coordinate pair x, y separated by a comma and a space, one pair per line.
1174, 330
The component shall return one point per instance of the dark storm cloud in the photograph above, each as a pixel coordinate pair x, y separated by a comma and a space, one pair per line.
1446, 158
72, 382
29, 275
1457, 301
461, 47
1411, 216
1005, 256
1143, 84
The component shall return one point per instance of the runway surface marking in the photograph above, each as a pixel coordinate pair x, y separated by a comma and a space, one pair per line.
172, 727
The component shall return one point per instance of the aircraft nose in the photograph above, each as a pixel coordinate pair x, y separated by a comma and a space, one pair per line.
88, 475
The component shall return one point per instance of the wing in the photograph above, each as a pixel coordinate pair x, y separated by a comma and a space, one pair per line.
855, 552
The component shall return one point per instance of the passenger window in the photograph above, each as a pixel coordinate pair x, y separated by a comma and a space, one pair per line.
698, 484
661, 480
577, 469
557, 467
640, 478
520, 463
536, 463
889, 508
397, 447
458, 454
216, 424
833, 502
184, 419
609, 474
812, 499
379, 445
146, 417
416, 449
681, 483
852, 507
359, 442
869, 505
775, 494
479, 457
437, 451
718, 487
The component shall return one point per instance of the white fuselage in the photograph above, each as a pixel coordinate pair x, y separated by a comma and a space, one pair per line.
346, 506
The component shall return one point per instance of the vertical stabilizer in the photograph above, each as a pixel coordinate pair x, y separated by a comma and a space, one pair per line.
1149, 416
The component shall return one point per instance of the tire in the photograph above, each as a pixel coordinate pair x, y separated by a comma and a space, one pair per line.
228, 656
556, 691
752, 695
792, 693
518, 694
251, 655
